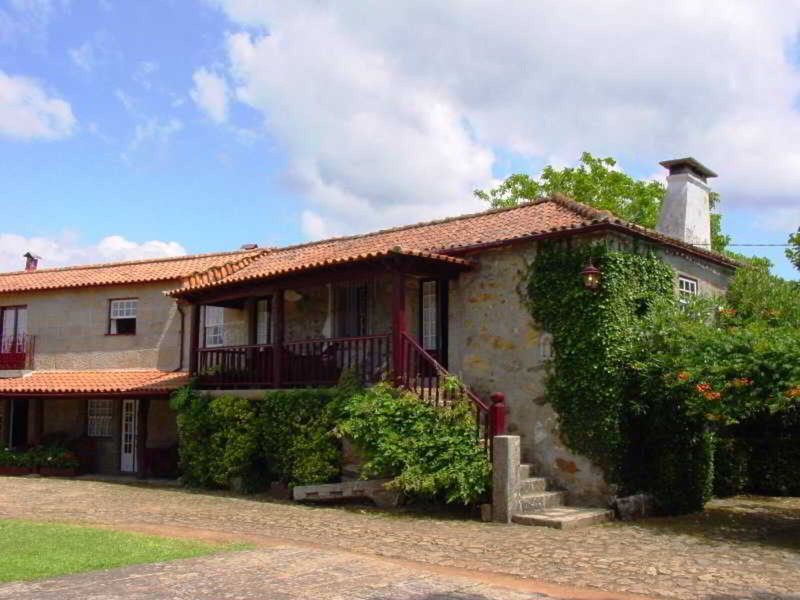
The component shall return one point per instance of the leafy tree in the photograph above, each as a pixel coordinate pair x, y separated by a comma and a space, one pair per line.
793, 252
596, 183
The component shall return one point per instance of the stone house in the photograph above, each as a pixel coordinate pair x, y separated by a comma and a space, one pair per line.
416, 301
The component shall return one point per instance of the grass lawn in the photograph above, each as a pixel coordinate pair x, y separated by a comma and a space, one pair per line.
31, 550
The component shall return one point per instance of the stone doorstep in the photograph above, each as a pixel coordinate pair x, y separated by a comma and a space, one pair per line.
565, 517
525, 471
532, 485
372, 489
541, 501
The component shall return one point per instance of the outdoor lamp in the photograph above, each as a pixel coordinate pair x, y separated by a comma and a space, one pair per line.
591, 276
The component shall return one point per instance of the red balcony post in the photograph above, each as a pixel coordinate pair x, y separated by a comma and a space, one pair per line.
398, 324
277, 346
497, 415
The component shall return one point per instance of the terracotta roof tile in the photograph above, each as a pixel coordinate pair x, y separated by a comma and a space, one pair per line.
94, 382
547, 215
119, 273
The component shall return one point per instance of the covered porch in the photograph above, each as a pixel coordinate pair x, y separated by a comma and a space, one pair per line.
379, 316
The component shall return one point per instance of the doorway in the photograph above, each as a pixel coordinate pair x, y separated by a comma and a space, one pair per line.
18, 423
130, 433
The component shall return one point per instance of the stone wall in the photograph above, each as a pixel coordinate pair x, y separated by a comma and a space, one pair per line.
495, 345
71, 328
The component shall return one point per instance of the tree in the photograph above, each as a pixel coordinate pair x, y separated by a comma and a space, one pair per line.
596, 183
793, 251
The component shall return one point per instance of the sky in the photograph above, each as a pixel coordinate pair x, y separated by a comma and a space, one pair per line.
163, 127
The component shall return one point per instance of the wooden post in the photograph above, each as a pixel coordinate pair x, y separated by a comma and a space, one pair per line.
398, 323
277, 345
141, 439
497, 415
194, 338
37, 406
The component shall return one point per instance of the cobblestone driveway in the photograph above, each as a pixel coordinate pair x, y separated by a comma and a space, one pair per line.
641, 559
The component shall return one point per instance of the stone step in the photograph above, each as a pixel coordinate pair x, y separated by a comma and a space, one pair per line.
564, 517
525, 471
532, 485
530, 503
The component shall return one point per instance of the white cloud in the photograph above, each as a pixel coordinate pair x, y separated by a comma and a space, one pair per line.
211, 94
67, 250
143, 72
153, 134
28, 21
27, 111
84, 57
397, 112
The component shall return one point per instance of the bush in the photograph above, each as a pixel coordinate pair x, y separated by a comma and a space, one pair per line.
430, 452
731, 467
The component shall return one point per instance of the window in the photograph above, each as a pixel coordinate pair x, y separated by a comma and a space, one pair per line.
122, 317
213, 329
13, 327
430, 310
687, 288
352, 303
264, 321
99, 416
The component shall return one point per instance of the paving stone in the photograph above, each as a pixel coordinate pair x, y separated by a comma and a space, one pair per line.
616, 557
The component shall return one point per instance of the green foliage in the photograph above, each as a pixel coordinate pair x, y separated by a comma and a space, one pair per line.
287, 436
596, 183
429, 451
593, 333
731, 467
10, 458
793, 251
756, 297
294, 437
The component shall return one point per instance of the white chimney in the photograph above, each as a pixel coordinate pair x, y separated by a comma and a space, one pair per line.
685, 212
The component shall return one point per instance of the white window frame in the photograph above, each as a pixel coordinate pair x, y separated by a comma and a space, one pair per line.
213, 326
430, 315
123, 308
687, 287
99, 417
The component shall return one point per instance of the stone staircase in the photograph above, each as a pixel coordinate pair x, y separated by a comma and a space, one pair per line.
538, 505
521, 497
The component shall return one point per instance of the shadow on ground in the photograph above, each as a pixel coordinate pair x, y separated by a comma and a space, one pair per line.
764, 520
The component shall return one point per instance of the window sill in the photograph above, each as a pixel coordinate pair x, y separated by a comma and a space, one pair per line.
119, 334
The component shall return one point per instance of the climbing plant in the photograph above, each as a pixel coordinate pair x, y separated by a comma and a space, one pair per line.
593, 335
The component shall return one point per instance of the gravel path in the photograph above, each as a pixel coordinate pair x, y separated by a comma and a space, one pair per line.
737, 559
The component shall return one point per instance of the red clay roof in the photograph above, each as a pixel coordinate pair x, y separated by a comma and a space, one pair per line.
138, 271
94, 382
544, 216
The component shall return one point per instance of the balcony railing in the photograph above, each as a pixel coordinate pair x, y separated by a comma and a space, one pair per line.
16, 352
310, 363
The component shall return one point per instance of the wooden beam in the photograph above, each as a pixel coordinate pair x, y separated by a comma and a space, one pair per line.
277, 343
194, 337
399, 325
141, 442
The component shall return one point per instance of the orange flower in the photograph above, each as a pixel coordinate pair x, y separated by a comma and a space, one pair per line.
683, 376
741, 382
794, 392
712, 395
702, 387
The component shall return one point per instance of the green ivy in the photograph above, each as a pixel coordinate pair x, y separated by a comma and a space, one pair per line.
593, 335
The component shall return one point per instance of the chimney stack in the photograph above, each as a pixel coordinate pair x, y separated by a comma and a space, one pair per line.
31, 261
685, 212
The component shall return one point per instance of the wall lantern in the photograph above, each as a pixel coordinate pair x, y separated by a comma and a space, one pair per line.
591, 276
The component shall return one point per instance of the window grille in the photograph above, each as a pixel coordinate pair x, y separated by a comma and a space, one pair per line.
353, 303
430, 333
213, 326
100, 415
687, 287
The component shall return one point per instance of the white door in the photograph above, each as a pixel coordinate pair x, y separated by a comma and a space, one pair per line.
130, 430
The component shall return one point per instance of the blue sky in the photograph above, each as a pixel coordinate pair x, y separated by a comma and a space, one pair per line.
135, 129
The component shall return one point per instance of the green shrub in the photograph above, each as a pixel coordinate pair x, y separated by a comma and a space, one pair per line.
431, 452
731, 467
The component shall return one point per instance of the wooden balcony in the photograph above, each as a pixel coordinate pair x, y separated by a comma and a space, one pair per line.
16, 352
308, 363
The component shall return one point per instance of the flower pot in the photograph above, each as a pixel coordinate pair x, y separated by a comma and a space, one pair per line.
8, 470
58, 471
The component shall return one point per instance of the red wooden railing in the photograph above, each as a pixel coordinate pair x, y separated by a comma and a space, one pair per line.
309, 363
321, 362
16, 352
422, 374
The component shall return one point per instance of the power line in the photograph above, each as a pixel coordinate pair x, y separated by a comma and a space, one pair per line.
760, 245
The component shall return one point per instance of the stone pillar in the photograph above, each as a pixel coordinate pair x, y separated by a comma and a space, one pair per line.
505, 477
